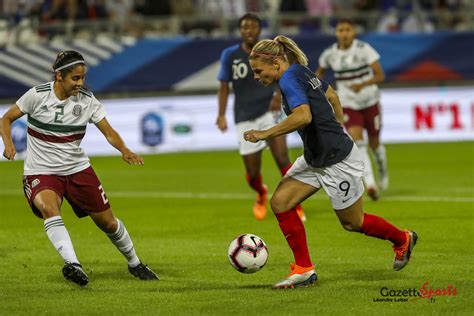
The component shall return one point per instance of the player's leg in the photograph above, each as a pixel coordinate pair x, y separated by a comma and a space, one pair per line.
280, 154
49, 203
374, 125
294, 188
87, 197
343, 184
44, 193
118, 235
355, 127
252, 157
252, 163
354, 219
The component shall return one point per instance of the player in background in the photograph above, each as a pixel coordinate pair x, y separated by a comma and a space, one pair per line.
255, 106
331, 160
357, 71
56, 167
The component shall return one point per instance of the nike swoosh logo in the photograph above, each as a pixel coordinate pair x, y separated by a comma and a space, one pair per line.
236, 61
344, 201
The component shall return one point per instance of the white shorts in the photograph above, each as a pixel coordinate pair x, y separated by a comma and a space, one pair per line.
265, 121
342, 181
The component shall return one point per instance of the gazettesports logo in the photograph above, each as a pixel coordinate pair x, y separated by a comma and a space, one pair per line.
426, 291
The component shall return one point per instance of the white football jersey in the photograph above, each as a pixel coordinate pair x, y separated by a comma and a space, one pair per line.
56, 129
352, 66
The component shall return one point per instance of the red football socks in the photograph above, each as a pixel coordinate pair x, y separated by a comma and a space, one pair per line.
256, 184
285, 169
378, 227
294, 232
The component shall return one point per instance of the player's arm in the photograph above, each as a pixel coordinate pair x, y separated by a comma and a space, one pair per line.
6, 130
115, 140
320, 72
300, 117
378, 77
333, 98
222, 95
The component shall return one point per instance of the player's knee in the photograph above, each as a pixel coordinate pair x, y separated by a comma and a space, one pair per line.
279, 204
351, 226
48, 210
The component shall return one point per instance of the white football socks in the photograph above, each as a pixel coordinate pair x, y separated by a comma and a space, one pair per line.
381, 160
124, 244
59, 237
369, 178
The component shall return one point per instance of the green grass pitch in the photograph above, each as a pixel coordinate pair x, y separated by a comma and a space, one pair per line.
182, 211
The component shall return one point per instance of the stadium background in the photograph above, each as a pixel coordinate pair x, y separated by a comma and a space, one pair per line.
154, 66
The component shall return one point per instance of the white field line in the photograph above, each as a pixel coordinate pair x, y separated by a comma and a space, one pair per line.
245, 196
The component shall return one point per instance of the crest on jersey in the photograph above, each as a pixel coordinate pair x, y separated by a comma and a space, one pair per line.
35, 182
77, 110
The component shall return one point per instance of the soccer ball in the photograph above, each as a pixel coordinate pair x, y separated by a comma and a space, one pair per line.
248, 253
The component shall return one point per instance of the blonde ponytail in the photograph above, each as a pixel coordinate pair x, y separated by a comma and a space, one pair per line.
280, 47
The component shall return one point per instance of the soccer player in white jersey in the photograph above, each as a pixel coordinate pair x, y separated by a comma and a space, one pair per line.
357, 71
56, 167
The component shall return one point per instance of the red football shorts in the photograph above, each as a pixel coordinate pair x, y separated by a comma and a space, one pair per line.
82, 190
368, 118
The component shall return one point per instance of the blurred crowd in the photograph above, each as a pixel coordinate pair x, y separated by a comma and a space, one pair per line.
370, 15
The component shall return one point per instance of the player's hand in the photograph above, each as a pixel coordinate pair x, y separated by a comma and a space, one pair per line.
221, 123
357, 87
131, 158
9, 152
254, 136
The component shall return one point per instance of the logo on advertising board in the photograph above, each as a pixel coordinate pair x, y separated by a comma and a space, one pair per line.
19, 135
152, 127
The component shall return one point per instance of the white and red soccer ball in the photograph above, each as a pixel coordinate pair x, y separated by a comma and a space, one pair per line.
248, 253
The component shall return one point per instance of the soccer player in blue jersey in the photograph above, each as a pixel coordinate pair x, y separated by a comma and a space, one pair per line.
357, 69
330, 161
254, 108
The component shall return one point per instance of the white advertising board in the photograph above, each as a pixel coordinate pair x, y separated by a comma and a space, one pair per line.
176, 124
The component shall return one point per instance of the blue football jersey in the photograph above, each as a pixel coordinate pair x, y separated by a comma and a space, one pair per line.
252, 99
325, 142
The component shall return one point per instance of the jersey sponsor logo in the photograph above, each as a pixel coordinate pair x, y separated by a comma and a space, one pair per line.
77, 110
236, 61
35, 182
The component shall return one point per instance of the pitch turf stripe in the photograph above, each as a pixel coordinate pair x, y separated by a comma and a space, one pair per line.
55, 127
244, 196
55, 139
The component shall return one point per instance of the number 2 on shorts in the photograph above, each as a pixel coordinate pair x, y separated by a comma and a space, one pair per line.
102, 193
